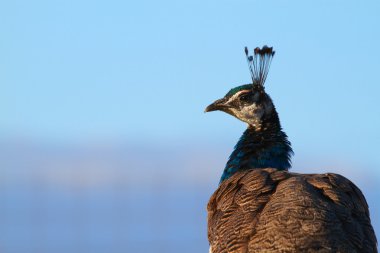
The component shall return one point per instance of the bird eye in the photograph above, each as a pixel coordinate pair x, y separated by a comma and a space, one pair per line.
245, 97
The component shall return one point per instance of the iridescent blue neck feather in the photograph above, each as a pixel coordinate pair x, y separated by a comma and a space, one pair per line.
267, 147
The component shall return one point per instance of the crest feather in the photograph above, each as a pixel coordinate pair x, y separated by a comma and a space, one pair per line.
259, 64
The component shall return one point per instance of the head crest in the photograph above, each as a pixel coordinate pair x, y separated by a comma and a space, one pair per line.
259, 64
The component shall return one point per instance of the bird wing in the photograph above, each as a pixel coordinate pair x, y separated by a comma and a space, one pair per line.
266, 210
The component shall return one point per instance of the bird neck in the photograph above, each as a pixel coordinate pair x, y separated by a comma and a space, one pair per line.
264, 147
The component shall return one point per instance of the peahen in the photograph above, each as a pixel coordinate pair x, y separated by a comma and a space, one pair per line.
261, 207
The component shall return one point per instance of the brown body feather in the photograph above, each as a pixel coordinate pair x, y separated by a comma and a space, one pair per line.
266, 210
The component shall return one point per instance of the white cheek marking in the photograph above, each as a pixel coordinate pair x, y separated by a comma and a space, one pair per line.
248, 111
251, 114
237, 94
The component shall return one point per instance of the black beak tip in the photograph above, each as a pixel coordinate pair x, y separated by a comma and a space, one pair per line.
213, 107
217, 105
210, 108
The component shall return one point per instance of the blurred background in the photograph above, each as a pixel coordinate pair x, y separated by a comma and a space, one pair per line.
104, 146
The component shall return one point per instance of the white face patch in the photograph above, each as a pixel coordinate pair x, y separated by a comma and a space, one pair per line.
253, 113
236, 95
250, 114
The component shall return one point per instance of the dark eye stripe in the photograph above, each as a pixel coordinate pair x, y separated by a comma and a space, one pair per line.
244, 97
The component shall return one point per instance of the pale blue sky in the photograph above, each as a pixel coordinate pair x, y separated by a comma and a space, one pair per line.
145, 70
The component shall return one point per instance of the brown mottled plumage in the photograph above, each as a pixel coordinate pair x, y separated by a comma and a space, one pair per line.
267, 210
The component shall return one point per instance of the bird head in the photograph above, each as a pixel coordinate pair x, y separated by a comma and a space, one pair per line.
250, 103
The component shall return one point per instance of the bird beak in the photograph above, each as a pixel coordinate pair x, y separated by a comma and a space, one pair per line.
217, 105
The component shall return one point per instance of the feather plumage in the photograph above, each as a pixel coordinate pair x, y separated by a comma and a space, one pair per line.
261, 207
267, 210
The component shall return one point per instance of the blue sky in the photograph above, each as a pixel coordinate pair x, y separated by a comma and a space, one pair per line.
143, 71
92, 69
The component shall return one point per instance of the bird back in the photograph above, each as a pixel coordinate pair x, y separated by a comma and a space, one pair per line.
267, 210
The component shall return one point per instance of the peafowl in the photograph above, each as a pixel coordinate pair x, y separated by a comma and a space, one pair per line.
261, 207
